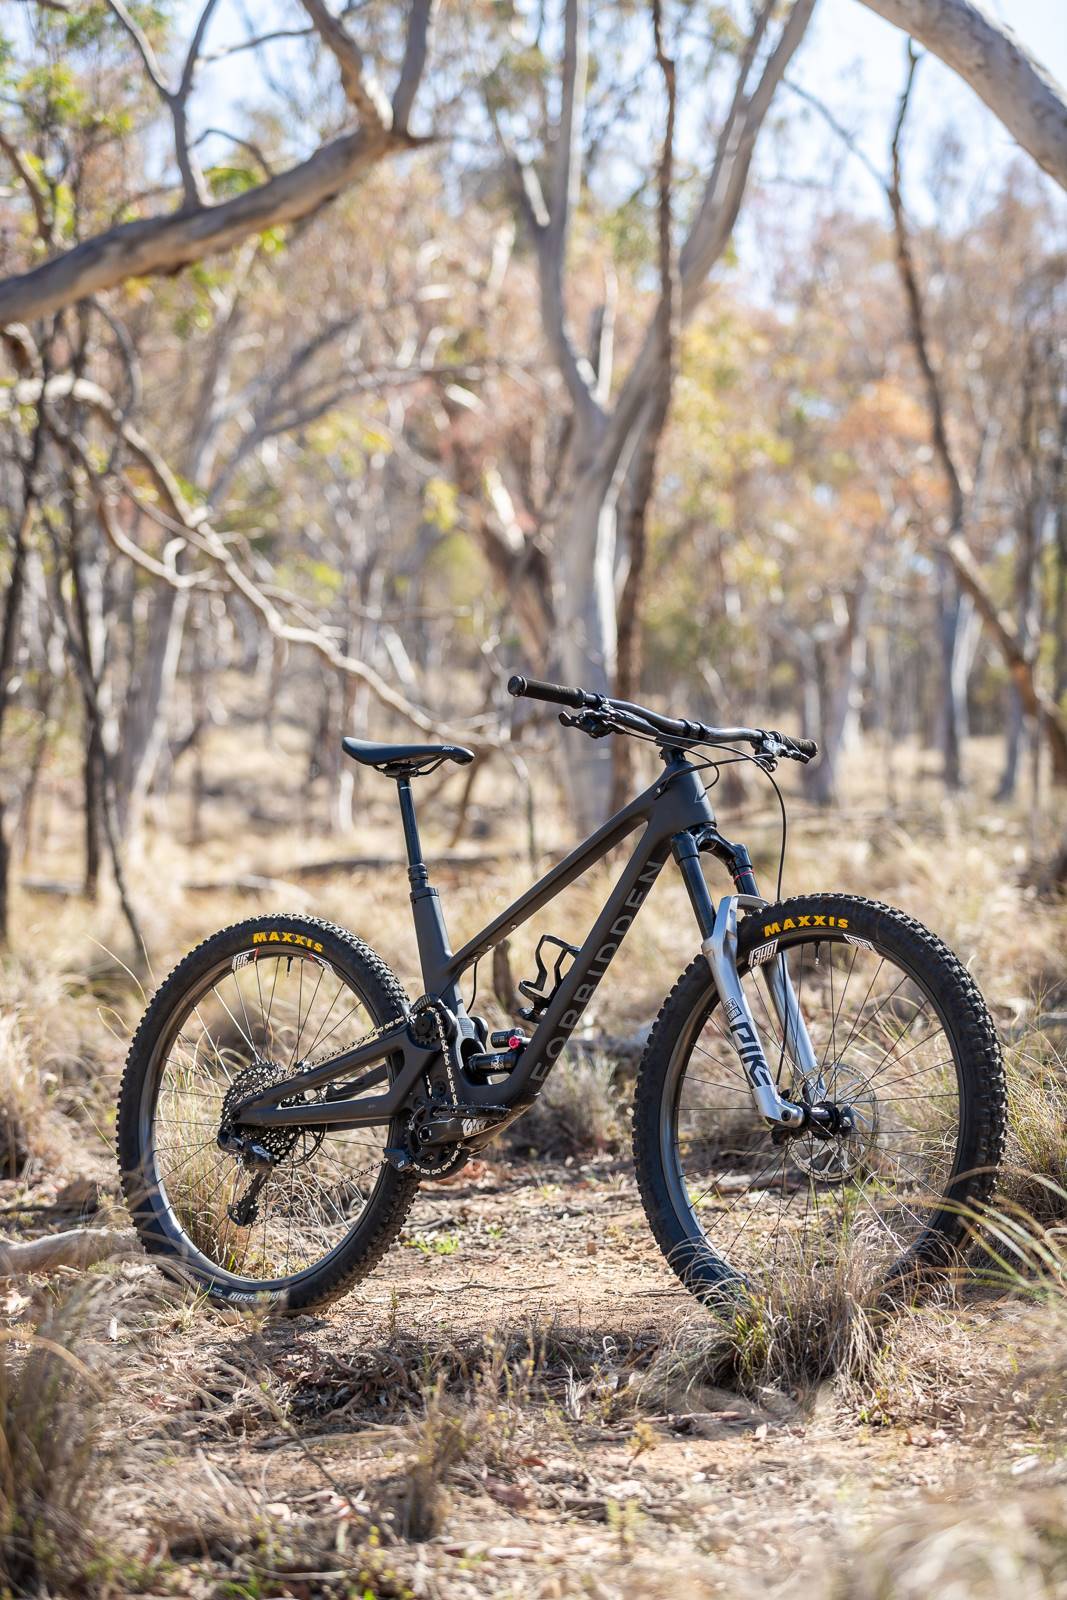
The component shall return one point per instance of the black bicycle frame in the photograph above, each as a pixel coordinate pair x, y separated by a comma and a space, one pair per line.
678, 819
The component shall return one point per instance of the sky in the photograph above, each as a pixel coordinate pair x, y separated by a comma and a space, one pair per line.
851, 58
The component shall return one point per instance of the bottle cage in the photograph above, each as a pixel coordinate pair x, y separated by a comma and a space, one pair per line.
534, 988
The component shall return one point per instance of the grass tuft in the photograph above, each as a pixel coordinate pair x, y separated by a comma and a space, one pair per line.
49, 1470
1036, 1168
808, 1326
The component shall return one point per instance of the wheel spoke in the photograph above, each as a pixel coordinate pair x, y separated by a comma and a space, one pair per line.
321, 1183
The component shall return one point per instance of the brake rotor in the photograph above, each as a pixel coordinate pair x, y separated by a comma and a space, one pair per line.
833, 1158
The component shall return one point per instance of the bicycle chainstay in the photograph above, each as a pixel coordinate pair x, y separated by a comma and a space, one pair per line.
456, 1120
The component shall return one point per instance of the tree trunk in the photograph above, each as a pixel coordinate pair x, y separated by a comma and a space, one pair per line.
91, 766
1059, 612
954, 613
1028, 629
842, 662
642, 474
607, 440
9, 634
146, 718
1036, 702
588, 631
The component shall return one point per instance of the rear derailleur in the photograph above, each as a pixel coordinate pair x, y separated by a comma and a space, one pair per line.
260, 1150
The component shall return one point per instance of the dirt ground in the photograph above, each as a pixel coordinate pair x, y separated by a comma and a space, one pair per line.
570, 1487
514, 1402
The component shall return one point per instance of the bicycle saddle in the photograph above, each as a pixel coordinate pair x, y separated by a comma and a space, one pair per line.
404, 760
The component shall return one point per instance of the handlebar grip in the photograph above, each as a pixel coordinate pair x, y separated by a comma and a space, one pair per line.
557, 694
806, 748
793, 749
797, 749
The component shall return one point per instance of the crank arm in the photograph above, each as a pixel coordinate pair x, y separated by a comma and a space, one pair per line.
720, 950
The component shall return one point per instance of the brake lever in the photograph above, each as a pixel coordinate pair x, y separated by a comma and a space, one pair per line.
590, 722
769, 752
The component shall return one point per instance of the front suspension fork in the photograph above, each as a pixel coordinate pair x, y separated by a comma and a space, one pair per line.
720, 950
719, 926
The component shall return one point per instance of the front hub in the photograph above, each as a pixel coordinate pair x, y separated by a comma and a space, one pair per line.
842, 1126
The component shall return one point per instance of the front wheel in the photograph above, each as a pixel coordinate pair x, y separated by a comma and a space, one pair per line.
902, 1040
241, 1012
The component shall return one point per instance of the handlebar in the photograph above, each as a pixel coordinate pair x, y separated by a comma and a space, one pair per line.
599, 715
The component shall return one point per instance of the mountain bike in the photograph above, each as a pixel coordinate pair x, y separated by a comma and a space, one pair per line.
824, 1071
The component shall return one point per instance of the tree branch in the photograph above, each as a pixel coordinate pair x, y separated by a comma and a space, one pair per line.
34, 189
716, 216
143, 46
416, 47
362, 91
79, 1247
193, 524
194, 188
916, 310
993, 61
549, 222
168, 243
954, 546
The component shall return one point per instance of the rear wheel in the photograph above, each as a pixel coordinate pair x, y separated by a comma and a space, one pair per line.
237, 1014
903, 1044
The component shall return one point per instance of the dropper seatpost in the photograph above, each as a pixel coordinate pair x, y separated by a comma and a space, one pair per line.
418, 876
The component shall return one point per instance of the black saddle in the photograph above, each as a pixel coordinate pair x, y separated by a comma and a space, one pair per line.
405, 760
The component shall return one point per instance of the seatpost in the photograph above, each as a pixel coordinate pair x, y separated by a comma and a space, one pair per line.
418, 876
430, 933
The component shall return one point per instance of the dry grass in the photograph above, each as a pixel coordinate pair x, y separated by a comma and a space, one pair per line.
817, 1322
50, 1469
1009, 1545
1035, 1172
579, 1110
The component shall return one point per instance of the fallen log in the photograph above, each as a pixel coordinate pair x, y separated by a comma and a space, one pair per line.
322, 869
78, 1247
248, 883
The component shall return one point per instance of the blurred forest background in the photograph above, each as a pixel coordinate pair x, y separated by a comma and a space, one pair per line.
631, 351
353, 357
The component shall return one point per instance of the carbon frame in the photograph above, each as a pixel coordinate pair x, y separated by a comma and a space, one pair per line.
678, 819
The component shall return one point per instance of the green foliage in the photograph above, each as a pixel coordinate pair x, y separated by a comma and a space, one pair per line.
226, 181
440, 504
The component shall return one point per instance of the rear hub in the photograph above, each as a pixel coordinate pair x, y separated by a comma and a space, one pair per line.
261, 1150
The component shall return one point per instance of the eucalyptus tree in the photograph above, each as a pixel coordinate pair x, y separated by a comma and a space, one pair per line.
550, 141
164, 239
